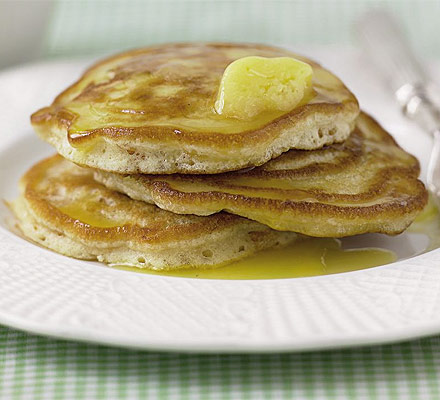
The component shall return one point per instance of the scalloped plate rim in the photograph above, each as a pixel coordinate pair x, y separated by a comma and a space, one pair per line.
247, 332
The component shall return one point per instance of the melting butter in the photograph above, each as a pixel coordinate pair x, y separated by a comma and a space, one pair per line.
311, 257
254, 85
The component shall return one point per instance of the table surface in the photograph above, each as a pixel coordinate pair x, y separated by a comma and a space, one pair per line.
33, 367
92, 27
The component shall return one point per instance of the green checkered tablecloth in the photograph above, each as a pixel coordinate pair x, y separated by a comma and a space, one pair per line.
33, 367
89, 27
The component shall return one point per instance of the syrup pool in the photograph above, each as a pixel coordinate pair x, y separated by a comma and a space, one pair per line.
323, 256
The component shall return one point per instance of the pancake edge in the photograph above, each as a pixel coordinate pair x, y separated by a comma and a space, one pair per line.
39, 222
299, 216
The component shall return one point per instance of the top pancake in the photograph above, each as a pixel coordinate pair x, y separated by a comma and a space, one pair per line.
366, 184
152, 111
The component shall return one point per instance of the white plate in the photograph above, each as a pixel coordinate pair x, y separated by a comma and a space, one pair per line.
46, 293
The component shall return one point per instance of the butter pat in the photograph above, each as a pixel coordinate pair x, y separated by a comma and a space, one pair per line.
253, 85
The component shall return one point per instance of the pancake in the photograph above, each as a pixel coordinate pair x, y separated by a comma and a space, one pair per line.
61, 207
152, 111
366, 184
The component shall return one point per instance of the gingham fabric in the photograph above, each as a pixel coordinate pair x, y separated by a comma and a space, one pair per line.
33, 367
94, 26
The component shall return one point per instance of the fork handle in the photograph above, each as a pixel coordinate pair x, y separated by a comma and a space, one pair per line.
389, 50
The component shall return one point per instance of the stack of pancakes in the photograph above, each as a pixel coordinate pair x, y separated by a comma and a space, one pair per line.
149, 175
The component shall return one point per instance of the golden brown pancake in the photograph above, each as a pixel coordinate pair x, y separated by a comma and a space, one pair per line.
61, 207
152, 111
366, 184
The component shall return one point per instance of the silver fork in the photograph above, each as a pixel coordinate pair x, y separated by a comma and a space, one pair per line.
384, 42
